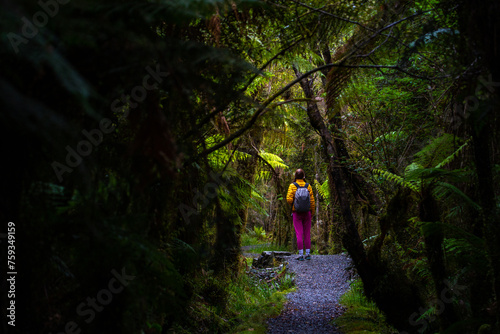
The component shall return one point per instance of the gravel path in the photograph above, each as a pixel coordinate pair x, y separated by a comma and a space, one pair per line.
320, 282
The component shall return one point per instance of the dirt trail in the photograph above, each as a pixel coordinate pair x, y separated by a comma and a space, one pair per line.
320, 282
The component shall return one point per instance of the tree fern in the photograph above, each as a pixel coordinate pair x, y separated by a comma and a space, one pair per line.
417, 176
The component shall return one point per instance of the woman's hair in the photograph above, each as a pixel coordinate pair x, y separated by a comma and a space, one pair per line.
299, 174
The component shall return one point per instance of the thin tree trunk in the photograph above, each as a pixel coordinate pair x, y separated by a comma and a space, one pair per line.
316, 177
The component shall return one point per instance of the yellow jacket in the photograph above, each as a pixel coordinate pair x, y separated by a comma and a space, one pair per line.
291, 193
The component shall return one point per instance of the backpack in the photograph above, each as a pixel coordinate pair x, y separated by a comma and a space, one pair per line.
302, 200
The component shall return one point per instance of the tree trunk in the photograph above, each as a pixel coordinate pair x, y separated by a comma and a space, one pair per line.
489, 216
397, 299
479, 23
227, 243
337, 183
433, 237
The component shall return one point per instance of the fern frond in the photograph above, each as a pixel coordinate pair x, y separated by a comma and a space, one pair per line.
274, 160
452, 157
464, 247
219, 158
438, 150
444, 189
263, 175
258, 196
435, 174
367, 161
239, 191
412, 167
238, 155
396, 179
323, 189
255, 205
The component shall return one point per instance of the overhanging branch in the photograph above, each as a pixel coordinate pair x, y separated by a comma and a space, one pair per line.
266, 103
259, 72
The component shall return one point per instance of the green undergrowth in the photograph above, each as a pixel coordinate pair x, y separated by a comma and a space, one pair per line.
254, 300
271, 248
235, 305
249, 240
259, 241
255, 236
361, 315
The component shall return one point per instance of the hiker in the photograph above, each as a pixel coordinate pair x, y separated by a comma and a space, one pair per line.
300, 197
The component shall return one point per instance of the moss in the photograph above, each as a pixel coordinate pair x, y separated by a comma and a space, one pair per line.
361, 315
362, 320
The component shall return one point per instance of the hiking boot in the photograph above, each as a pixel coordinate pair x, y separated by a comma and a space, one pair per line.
308, 256
300, 258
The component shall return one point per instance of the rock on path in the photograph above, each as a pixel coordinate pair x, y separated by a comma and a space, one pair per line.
310, 309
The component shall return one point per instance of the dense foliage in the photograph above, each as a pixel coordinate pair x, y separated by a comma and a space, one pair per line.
142, 139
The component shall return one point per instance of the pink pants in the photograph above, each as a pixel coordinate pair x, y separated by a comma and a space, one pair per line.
302, 224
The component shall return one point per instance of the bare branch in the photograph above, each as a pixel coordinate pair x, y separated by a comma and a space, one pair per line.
289, 101
376, 32
332, 15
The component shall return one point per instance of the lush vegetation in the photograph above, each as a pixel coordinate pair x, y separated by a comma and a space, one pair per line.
141, 140
240, 305
361, 315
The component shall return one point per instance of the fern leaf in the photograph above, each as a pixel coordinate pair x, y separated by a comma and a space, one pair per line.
274, 160
263, 175
444, 189
396, 179
452, 157
322, 189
